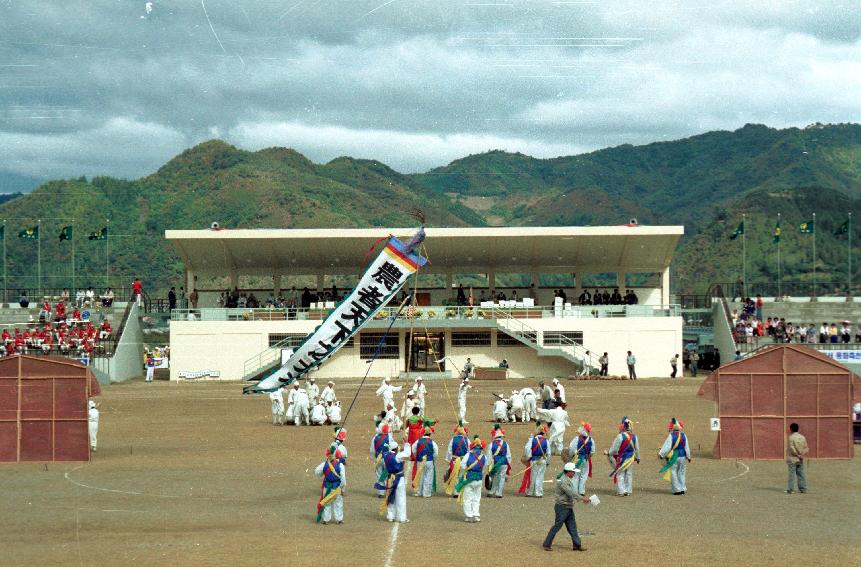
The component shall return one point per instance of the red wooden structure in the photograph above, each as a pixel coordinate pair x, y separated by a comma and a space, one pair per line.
43, 409
759, 396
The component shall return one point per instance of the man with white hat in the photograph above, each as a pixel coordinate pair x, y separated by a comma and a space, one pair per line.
396, 495
580, 453
408, 405
300, 407
469, 485
313, 390
461, 400
387, 391
333, 412
626, 451
93, 424
291, 403
420, 391
328, 393
424, 472
318, 414
565, 494
499, 458
334, 475
557, 386
379, 447
516, 410
677, 452
277, 399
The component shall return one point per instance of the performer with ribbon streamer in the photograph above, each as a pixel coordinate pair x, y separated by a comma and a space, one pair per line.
458, 447
334, 476
499, 457
536, 455
580, 453
469, 486
424, 472
379, 448
677, 452
626, 451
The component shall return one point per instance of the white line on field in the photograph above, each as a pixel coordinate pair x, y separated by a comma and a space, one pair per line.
393, 541
744, 472
82, 485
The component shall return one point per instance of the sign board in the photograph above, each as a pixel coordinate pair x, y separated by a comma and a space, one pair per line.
198, 374
286, 353
714, 423
843, 355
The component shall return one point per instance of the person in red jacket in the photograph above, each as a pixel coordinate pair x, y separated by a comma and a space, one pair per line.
137, 290
105, 329
60, 311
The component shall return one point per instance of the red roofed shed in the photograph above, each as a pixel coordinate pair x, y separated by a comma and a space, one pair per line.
43, 409
759, 396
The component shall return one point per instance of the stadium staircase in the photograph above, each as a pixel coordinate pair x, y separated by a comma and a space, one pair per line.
262, 363
585, 361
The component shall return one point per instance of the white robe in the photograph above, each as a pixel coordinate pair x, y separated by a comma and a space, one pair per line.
558, 419
328, 395
500, 410
318, 414
387, 391
397, 511
529, 403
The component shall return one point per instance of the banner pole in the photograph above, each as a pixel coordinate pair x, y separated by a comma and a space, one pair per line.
779, 295
5, 284
848, 264
814, 255
74, 285
107, 253
744, 252
39, 254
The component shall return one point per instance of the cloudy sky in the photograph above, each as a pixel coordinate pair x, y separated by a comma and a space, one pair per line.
117, 87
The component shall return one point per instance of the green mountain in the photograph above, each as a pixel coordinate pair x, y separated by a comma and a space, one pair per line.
705, 182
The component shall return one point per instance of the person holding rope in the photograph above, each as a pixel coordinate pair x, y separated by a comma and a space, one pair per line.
536, 455
334, 475
395, 503
379, 448
677, 452
469, 485
458, 447
424, 471
625, 451
499, 457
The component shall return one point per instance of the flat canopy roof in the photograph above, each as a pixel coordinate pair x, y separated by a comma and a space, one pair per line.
590, 249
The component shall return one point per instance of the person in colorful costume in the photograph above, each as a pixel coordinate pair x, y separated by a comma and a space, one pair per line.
626, 451
379, 448
340, 449
458, 447
395, 503
580, 453
677, 452
469, 486
424, 471
334, 475
499, 459
536, 455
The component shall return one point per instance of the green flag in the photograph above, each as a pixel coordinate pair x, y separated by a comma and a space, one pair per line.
842, 229
66, 233
101, 234
806, 227
739, 230
777, 233
30, 233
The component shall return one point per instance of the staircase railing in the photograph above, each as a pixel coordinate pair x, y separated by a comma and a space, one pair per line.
265, 358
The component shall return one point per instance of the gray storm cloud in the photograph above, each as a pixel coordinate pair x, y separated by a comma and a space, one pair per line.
116, 88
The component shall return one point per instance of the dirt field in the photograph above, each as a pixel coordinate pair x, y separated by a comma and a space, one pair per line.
195, 474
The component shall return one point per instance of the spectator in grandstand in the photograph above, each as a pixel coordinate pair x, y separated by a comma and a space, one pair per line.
461, 295
811, 333
171, 299
846, 332
858, 334
45, 312
105, 330
137, 290
23, 300
585, 298
181, 298
64, 296
833, 333
80, 296
108, 297
823, 333
504, 364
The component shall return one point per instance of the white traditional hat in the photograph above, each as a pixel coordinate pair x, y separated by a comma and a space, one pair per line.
393, 445
570, 467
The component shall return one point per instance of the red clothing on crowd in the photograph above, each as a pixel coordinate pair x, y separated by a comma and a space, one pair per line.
137, 287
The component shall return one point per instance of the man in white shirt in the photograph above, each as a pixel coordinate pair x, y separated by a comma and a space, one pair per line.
93, 424
313, 390
461, 400
333, 412
500, 410
516, 410
529, 404
300, 407
328, 393
387, 391
318, 414
420, 392
561, 388
558, 419
277, 399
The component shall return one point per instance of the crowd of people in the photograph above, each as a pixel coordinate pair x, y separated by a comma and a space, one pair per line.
749, 327
607, 298
306, 406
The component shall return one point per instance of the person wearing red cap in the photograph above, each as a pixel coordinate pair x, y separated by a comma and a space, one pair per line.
469, 485
626, 451
677, 452
379, 447
424, 472
499, 458
580, 453
334, 475
458, 447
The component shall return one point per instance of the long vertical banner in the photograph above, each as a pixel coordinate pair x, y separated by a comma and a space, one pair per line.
382, 280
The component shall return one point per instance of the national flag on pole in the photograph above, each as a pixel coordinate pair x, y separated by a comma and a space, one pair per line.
739, 230
30, 233
842, 229
777, 233
101, 234
807, 227
66, 233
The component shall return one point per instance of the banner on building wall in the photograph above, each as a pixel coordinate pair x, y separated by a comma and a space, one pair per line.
379, 284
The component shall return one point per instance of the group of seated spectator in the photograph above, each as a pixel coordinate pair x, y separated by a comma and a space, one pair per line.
83, 298
66, 336
747, 329
606, 298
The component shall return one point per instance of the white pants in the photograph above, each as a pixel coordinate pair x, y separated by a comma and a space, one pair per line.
580, 480
625, 481
498, 482
471, 499
421, 405
678, 473
461, 409
500, 416
529, 408
397, 511
93, 428
536, 482
300, 415
336, 506
517, 412
557, 444
288, 415
150, 371
320, 420
426, 481
277, 412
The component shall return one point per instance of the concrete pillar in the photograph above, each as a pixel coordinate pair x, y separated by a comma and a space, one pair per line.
276, 285
320, 281
491, 281
665, 287
578, 288
620, 282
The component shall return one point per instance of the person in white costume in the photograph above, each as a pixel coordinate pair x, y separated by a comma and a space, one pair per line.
328, 393
93, 424
313, 390
334, 475
500, 409
516, 410
461, 400
277, 399
396, 492
558, 420
408, 405
529, 404
333, 412
318, 414
291, 403
300, 407
420, 391
426, 452
387, 391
